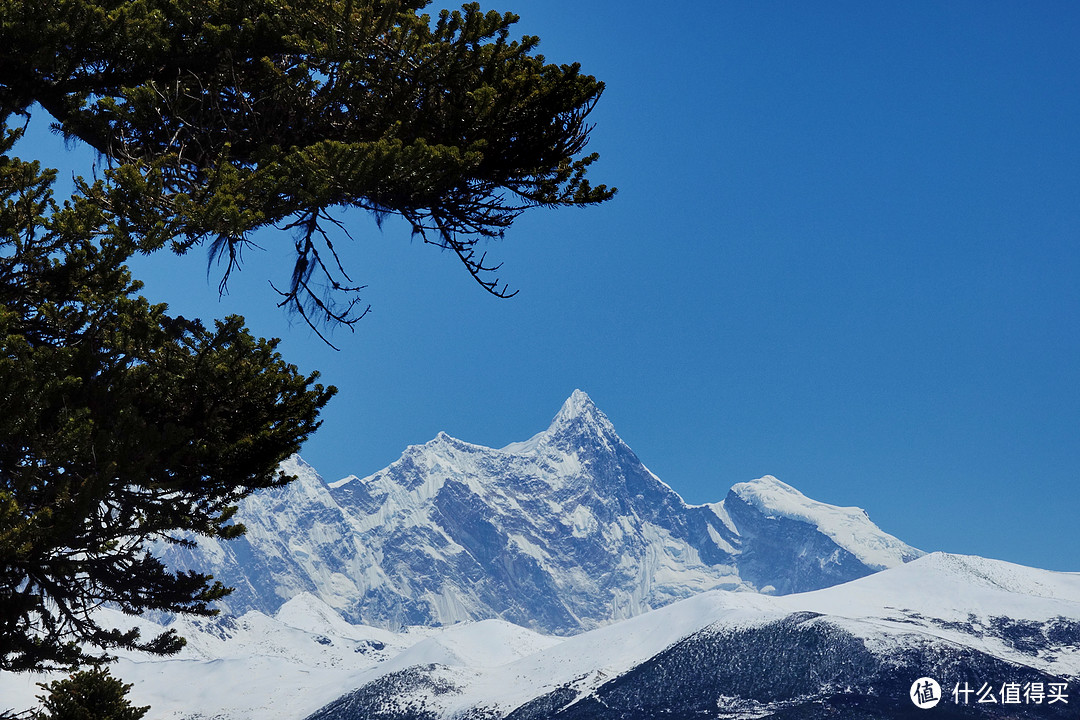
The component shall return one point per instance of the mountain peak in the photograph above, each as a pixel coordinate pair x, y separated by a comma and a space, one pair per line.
579, 408
578, 413
578, 401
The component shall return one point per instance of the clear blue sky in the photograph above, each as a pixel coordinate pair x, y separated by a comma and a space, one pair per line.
844, 252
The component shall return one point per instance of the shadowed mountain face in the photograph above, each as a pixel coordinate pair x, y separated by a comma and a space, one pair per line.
561, 533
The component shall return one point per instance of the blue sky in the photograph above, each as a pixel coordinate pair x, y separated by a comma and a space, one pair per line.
844, 252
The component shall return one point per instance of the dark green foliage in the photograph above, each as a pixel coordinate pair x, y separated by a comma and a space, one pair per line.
120, 426
224, 116
90, 695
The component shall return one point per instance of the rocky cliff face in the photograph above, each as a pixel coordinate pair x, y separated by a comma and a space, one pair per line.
563, 532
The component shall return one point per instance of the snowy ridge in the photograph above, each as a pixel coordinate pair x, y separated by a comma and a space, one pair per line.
963, 585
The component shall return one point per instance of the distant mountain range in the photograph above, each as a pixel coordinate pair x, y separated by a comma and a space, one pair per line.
562, 533
559, 579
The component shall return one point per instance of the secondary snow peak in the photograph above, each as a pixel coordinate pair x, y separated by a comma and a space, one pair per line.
849, 527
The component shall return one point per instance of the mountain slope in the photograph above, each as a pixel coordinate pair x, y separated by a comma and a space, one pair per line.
560, 533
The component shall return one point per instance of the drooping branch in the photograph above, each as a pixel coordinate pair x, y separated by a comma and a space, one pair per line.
220, 119
301, 295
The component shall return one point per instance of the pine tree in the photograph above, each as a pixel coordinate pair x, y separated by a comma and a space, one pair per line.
121, 426
89, 695
221, 117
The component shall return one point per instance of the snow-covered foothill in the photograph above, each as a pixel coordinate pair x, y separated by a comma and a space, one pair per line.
896, 616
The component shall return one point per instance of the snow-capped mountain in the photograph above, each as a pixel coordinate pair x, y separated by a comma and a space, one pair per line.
561, 533
980, 628
342, 589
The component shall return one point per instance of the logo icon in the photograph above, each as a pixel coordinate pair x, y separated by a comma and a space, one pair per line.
925, 693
